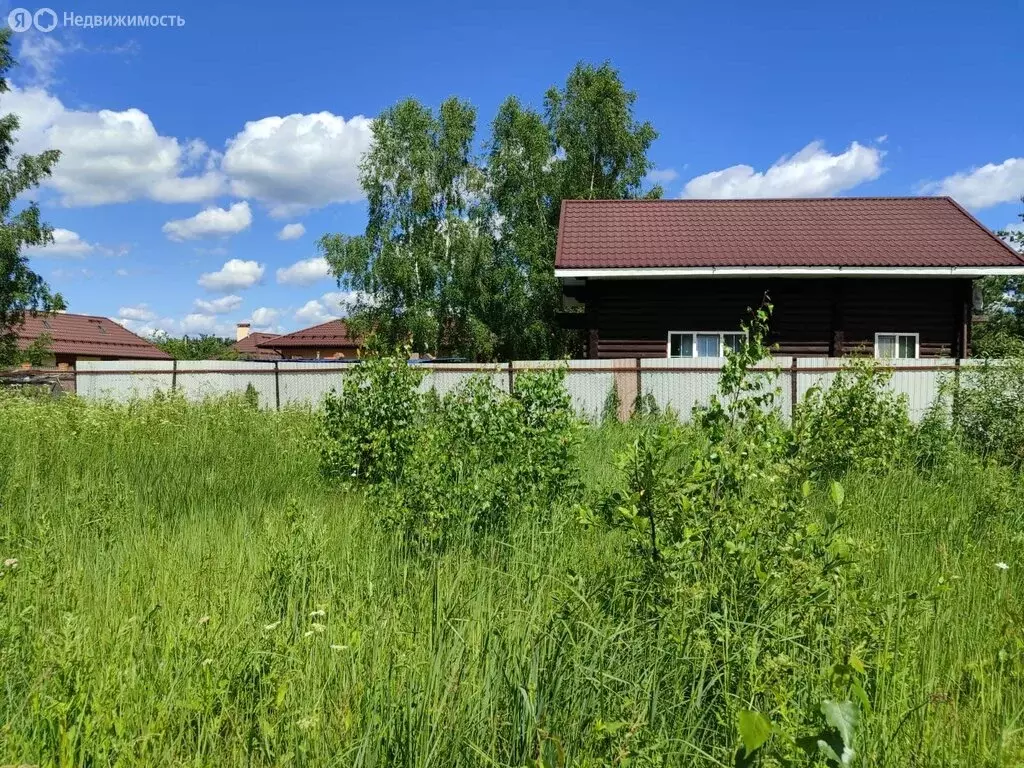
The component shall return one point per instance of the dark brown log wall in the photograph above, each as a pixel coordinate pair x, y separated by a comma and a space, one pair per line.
811, 317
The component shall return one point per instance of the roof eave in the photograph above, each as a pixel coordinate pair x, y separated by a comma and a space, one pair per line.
613, 273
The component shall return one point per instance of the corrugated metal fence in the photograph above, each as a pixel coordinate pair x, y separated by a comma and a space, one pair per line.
672, 383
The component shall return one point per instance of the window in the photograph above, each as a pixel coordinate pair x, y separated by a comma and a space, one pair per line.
703, 343
896, 345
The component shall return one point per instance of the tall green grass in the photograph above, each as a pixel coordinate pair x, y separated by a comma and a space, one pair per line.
189, 591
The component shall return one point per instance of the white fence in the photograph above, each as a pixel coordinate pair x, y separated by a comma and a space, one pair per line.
672, 383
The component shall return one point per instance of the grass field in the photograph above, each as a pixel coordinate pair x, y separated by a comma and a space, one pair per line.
181, 587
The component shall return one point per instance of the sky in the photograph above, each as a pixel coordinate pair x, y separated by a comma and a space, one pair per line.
202, 161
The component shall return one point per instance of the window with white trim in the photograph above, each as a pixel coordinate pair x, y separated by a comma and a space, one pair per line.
703, 343
897, 346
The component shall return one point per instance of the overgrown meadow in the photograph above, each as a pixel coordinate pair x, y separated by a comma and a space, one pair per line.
409, 580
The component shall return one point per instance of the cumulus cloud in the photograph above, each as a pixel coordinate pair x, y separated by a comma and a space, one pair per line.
811, 172
265, 318
211, 222
234, 275
291, 232
298, 162
65, 243
663, 176
138, 313
982, 187
305, 272
330, 306
110, 156
220, 306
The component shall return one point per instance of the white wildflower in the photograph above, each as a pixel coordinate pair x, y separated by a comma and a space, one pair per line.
318, 628
271, 627
308, 633
11, 562
204, 620
318, 614
1002, 566
207, 662
338, 647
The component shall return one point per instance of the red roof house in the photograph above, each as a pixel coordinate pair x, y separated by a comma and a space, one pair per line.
247, 344
85, 337
884, 276
326, 341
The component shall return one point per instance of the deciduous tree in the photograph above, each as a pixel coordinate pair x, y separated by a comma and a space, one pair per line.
21, 289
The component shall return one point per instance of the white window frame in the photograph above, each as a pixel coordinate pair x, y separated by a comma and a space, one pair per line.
721, 342
897, 334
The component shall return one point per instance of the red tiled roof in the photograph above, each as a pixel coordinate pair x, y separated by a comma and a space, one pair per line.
829, 232
249, 349
88, 336
332, 335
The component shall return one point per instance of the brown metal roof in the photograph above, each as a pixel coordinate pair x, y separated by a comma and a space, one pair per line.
88, 336
823, 232
248, 347
332, 334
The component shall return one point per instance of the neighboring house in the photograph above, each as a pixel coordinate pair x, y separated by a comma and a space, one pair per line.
85, 337
247, 344
327, 341
675, 278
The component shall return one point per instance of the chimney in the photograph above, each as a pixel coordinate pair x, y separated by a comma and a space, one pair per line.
241, 331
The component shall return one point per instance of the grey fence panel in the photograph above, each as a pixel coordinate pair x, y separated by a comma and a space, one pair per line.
308, 383
444, 378
920, 381
201, 379
680, 384
123, 380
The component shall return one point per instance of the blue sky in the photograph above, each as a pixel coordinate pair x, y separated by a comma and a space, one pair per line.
188, 150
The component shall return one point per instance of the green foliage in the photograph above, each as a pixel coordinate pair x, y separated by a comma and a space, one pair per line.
202, 347
39, 353
368, 430
21, 289
458, 253
1001, 334
435, 468
989, 409
179, 584
612, 403
858, 423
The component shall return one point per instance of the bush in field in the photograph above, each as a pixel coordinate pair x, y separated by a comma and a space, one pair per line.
736, 565
989, 409
855, 424
369, 429
436, 467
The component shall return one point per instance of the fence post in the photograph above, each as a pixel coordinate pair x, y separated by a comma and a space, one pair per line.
174, 374
511, 379
638, 400
277, 387
956, 389
792, 390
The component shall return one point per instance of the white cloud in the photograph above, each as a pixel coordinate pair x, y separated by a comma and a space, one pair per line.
200, 323
65, 243
109, 156
330, 306
265, 317
291, 232
298, 162
811, 172
220, 306
138, 313
211, 222
41, 53
663, 176
982, 187
305, 272
234, 275
121, 272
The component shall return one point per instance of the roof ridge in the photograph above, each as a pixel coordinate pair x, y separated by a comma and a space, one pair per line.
854, 198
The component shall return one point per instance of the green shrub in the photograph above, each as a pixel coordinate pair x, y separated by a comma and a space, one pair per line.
368, 430
857, 423
989, 409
